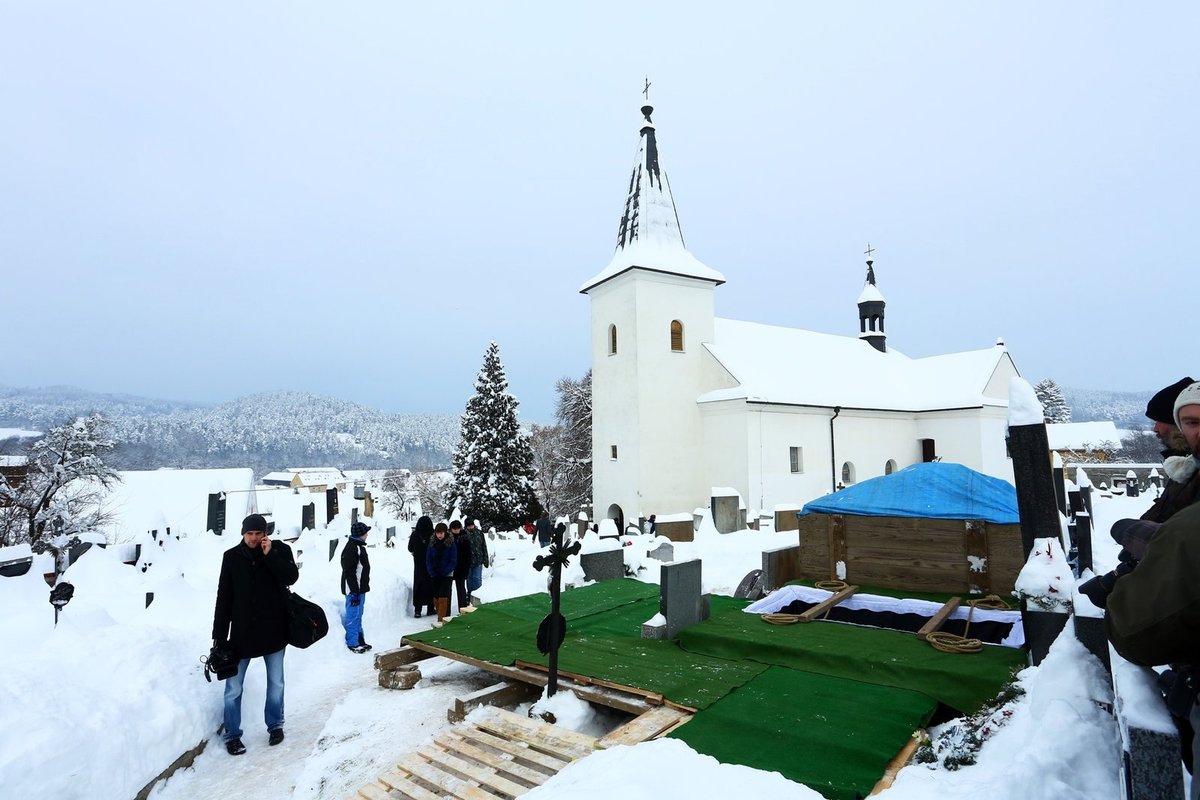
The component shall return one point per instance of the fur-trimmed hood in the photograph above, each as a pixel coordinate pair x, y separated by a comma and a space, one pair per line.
1180, 468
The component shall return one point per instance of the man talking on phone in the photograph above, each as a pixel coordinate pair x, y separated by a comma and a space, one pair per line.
251, 618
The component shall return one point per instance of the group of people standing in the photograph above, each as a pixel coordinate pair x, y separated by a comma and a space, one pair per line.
446, 557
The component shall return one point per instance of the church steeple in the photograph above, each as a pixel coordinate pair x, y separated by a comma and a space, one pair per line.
650, 213
649, 236
870, 308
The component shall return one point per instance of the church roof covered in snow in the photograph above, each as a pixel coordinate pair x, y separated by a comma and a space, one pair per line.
649, 236
791, 366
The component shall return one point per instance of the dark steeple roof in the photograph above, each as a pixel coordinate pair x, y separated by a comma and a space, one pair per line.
649, 236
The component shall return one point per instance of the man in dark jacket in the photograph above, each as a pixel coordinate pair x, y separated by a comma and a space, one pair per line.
356, 582
545, 530
251, 617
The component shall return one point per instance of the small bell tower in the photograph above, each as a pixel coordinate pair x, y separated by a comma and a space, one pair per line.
870, 308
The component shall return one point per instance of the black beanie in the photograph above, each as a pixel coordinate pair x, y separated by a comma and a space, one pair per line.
1161, 407
254, 522
359, 528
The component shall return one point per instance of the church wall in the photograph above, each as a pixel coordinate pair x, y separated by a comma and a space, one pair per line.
644, 396
726, 450
868, 439
614, 399
773, 431
669, 421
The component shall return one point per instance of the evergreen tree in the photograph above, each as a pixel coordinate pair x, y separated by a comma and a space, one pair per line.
493, 464
1054, 405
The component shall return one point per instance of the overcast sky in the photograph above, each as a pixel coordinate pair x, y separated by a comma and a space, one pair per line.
353, 199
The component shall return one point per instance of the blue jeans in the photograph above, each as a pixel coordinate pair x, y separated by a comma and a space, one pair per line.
352, 621
273, 713
475, 580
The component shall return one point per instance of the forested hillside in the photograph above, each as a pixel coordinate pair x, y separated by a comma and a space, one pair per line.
265, 432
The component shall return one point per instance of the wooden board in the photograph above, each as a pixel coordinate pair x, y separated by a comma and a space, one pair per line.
506, 693
821, 608
598, 692
939, 618
649, 725
499, 756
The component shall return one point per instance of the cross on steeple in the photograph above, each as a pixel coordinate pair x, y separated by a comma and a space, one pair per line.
646, 90
869, 252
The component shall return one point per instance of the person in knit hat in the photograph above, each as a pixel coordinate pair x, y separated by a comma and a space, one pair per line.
1161, 411
356, 582
1182, 488
251, 617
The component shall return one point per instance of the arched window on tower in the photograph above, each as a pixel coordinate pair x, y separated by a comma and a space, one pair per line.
612, 340
889, 467
848, 473
676, 336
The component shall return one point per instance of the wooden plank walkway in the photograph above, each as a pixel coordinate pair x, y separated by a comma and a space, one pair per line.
501, 755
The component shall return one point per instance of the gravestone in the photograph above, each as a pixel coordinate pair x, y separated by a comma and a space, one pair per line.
604, 565
1091, 633
216, 513
333, 544
1041, 629
779, 566
725, 513
331, 505
680, 599
1083, 539
664, 552
389, 535
751, 587
308, 517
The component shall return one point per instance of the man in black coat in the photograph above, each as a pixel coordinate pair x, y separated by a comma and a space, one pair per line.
251, 617
356, 582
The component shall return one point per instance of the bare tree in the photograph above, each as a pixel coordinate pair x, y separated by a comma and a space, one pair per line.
574, 452
62, 491
546, 442
1141, 447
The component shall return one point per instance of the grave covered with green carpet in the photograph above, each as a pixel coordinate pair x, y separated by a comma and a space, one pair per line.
823, 703
831, 734
604, 641
872, 655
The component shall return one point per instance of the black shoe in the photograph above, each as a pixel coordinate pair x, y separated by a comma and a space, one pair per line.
417, 613
273, 737
359, 649
235, 747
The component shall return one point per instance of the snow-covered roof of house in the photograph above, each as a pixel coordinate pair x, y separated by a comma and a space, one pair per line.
792, 366
1076, 435
13, 461
278, 477
649, 236
320, 477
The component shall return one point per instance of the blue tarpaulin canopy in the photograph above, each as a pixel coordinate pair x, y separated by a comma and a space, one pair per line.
936, 490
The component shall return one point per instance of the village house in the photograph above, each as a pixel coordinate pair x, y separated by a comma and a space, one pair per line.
684, 401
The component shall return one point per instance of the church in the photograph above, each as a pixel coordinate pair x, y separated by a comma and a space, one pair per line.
686, 405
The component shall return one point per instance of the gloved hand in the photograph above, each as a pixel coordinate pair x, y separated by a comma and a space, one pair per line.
355, 598
1098, 588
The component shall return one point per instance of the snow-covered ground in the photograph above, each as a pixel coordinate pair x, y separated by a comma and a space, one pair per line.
99, 705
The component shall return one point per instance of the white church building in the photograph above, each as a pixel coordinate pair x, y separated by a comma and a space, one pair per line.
685, 403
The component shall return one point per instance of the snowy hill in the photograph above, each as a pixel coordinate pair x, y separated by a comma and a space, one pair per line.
1126, 409
264, 431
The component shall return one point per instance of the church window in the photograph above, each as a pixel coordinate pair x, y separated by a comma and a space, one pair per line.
796, 456
613, 449
848, 473
889, 467
612, 340
676, 336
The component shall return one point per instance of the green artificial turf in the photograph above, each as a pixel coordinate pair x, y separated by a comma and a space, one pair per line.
823, 703
870, 655
831, 734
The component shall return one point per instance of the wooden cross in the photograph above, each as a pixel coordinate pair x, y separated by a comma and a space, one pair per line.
869, 251
646, 91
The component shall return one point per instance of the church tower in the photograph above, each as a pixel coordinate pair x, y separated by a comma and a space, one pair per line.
652, 310
870, 310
